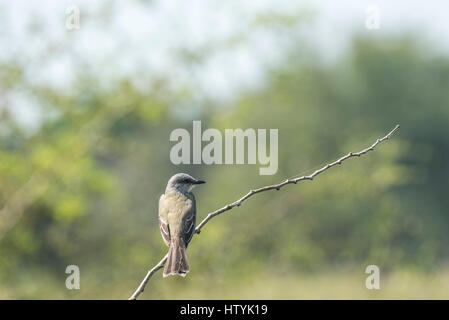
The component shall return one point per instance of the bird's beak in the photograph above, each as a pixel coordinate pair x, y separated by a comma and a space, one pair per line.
199, 182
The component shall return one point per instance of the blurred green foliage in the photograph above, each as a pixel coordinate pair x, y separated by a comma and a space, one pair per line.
83, 188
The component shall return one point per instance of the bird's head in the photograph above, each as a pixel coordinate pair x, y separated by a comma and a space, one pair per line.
183, 182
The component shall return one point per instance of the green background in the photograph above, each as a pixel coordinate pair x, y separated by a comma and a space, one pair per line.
83, 187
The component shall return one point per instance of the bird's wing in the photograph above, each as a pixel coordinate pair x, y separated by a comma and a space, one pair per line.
163, 223
189, 222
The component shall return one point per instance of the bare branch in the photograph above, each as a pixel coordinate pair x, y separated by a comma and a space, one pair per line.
142, 285
237, 203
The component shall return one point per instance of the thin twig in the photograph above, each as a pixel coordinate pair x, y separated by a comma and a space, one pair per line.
142, 285
237, 203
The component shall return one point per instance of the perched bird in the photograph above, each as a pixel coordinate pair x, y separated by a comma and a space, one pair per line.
177, 216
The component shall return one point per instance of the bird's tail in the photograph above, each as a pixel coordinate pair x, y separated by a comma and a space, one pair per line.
177, 259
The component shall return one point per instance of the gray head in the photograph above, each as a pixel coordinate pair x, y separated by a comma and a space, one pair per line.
182, 182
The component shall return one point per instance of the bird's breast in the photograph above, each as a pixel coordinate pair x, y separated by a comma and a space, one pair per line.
178, 205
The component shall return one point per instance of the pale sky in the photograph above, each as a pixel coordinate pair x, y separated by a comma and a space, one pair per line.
144, 41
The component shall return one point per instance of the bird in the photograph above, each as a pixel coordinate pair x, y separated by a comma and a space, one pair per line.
177, 218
